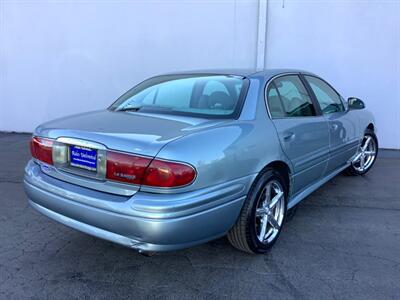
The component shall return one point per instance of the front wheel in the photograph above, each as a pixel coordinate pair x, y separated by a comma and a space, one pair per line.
366, 155
260, 221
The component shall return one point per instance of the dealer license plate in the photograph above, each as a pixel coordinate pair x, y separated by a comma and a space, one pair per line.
84, 158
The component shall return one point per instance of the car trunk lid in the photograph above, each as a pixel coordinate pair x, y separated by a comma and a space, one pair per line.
132, 132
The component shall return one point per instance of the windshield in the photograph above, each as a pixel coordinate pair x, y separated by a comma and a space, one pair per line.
218, 96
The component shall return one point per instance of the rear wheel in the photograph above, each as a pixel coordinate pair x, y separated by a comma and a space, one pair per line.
260, 221
366, 155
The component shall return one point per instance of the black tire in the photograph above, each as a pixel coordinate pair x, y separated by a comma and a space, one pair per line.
243, 234
352, 170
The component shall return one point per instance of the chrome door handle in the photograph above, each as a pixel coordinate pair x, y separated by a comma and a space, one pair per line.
288, 136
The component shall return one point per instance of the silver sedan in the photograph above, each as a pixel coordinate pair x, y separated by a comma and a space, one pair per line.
181, 159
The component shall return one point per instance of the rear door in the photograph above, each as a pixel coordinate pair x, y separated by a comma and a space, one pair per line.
302, 130
342, 122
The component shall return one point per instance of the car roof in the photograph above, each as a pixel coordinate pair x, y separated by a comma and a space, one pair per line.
267, 73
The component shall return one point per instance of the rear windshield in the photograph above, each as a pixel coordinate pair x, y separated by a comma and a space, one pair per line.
214, 96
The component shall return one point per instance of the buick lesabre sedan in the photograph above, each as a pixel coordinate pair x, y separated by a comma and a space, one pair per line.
182, 159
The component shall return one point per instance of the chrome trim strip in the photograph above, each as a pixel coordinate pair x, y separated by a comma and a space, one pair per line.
82, 143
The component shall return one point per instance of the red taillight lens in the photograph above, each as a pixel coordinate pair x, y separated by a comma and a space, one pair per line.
126, 168
168, 174
42, 149
141, 170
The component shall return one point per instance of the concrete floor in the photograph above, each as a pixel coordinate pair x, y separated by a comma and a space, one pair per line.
343, 243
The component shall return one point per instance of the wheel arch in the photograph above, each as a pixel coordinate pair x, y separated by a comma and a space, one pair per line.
372, 128
283, 169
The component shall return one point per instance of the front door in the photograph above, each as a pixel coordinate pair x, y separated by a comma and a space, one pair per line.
302, 131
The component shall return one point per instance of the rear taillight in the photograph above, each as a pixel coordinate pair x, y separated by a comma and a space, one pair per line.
125, 167
168, 174
41, 149
141, 170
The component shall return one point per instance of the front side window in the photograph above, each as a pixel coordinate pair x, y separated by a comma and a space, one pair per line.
192, 95
328, 99
287, 97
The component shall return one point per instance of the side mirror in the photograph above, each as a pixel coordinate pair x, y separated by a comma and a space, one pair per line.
355, 103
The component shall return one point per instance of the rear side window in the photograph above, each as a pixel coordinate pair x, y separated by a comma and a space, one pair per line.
274, 102
287, 97
328, 99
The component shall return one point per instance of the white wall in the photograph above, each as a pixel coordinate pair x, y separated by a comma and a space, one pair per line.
62, 57
355, 45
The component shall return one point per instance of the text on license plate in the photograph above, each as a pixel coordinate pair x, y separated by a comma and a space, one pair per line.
82, 157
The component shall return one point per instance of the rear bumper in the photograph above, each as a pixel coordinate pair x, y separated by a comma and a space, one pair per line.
144, 221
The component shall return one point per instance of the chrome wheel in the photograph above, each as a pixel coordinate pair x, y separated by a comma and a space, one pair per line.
366, 154
270, 212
